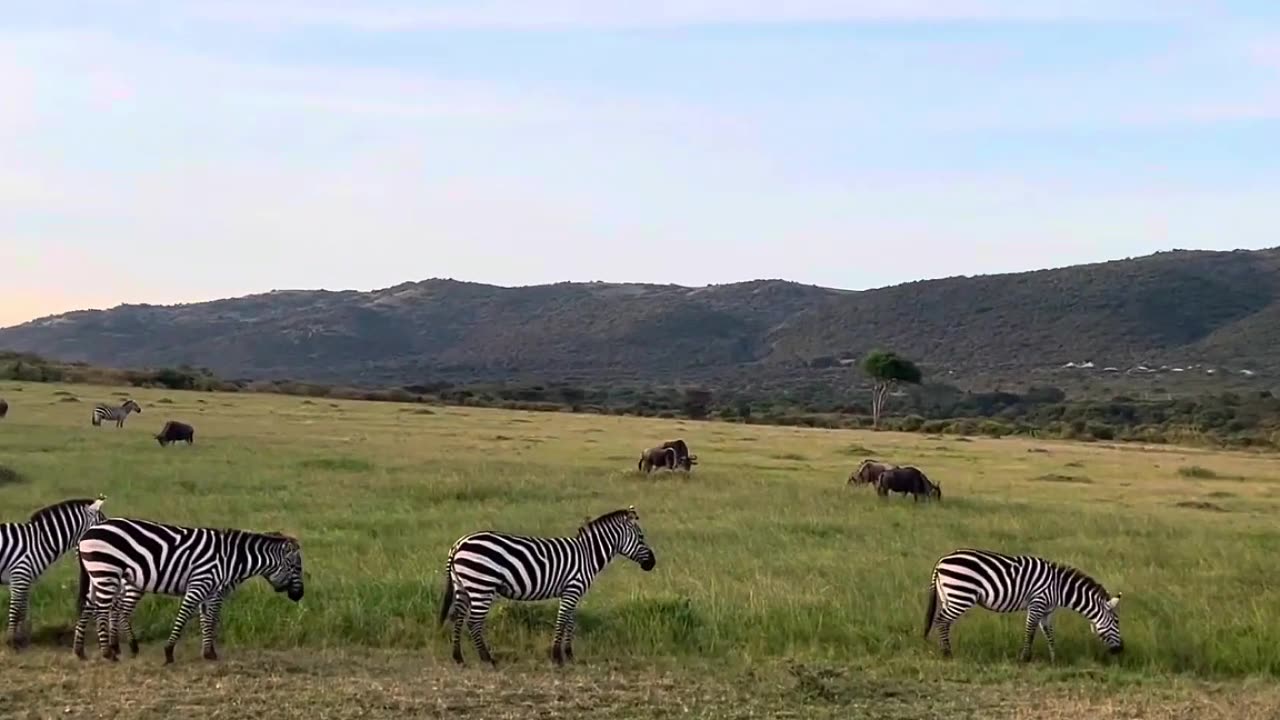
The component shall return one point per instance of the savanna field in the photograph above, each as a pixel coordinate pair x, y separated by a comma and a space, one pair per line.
779, 590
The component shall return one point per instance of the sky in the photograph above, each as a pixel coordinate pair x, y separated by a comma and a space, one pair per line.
169, 152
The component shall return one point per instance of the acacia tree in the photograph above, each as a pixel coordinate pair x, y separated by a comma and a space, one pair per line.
886, 370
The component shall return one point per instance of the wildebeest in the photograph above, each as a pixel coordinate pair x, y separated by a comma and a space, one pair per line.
868, 472
4, 408
683, 458
907, 480
657, 458
174, 431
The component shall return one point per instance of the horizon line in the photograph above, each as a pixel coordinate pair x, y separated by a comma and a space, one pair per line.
832, 289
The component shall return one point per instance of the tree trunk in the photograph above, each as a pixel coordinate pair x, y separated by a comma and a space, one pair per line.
879, 393
875, 405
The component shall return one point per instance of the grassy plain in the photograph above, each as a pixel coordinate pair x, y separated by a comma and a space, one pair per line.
779, 591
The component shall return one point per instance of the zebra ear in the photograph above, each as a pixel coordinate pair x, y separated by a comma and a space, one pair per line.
1114, 601
97, 504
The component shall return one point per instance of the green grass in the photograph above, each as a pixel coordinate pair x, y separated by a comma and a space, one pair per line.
765, 555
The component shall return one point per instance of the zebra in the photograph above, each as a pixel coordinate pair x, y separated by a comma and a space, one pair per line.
1009, 583
28, 548
123, 558
103, 412
485, 564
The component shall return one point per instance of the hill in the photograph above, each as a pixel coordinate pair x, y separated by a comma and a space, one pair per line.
1211, 312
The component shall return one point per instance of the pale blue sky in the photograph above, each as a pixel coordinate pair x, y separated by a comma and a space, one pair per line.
176, 151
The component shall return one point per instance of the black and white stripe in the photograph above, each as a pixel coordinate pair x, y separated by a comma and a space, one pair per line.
28, 548
118, 414
484, 565
121, 559
1009, 583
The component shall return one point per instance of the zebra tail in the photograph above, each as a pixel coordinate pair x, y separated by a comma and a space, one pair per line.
447, 604
931, 610
84, 586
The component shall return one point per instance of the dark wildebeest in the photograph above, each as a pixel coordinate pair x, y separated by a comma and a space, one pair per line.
868, 472
657, 458
174, 431
4, 408
683, 458
907, 480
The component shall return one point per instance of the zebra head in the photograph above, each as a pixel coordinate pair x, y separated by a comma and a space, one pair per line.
1106, 623
285, 573
131, 406
621, 533
66, 522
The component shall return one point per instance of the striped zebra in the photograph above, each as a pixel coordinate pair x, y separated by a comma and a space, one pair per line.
486, 564
103, 412
28, 548
121, 559
1009, 583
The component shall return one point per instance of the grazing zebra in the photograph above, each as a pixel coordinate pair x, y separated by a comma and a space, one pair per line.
28, 548
102, 412
121, 559
485, 564
1009, 583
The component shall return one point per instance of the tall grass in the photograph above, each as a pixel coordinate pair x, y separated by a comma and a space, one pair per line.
756, 558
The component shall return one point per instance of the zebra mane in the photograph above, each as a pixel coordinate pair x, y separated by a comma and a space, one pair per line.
1079, 575
628, 512
46, 512
274, 536
279, 536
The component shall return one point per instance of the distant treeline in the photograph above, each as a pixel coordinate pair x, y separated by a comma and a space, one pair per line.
1225, 419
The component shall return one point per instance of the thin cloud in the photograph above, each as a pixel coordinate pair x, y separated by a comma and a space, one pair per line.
626, 14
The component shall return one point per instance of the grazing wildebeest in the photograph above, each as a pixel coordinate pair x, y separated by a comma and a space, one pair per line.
683, 458
907, 480
175, 431
868, 472
4, 408
657, 458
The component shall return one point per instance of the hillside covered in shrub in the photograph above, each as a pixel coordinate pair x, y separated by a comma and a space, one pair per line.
1211, 316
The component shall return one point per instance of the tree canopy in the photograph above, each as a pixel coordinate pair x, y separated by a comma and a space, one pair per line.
887, 369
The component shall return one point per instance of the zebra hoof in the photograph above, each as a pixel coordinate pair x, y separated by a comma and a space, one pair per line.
168, 654
210, 654
133, 648
556, 656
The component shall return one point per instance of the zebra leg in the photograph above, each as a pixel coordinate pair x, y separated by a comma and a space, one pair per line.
190, 603
946, 616
101, 599
77, 642
570, 626
479, 608
123, 614
460, 605
1046, 627
564, 617
210, 612
1035, 613
944, 636
20, 579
